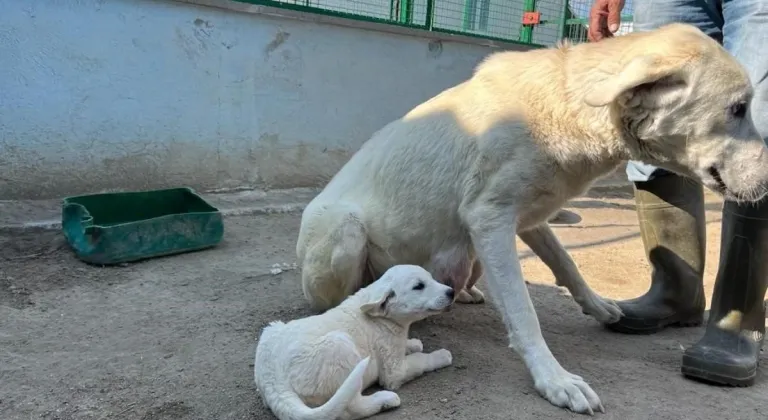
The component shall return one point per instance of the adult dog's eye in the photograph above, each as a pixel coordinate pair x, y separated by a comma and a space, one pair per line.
738, 110
419, 286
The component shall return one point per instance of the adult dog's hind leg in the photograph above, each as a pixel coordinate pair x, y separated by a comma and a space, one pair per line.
335, 260
471, 294
455, 268
545, 245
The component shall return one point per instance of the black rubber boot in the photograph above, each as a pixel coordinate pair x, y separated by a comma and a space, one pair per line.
728, 353
670, 210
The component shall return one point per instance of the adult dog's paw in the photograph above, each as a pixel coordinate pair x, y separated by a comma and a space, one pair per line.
605, 311
477, 294
471, 296
567, 390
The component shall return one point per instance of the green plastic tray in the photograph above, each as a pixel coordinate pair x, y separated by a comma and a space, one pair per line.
114, 228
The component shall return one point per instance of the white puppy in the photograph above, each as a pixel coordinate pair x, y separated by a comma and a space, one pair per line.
325, 361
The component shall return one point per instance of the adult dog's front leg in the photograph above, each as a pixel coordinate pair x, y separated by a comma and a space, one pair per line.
493, 236
412, 366
544, 243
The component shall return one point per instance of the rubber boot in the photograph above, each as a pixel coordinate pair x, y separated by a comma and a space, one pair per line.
670, 210
729, 351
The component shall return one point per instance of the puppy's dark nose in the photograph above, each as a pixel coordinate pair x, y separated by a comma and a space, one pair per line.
450, 294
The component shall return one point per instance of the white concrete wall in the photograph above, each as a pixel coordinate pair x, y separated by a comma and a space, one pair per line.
135, 94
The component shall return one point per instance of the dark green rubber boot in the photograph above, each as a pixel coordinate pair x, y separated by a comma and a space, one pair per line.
670, 210
728, 353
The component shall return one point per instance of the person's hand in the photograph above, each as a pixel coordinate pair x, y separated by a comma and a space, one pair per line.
604, 19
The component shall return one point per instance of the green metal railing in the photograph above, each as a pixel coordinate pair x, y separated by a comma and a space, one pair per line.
537, 23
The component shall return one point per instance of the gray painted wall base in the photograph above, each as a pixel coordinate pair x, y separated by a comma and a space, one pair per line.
18, 215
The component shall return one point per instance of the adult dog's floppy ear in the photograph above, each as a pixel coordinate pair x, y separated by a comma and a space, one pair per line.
377, 306
639, 71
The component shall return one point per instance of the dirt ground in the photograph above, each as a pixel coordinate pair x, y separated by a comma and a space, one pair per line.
173, 338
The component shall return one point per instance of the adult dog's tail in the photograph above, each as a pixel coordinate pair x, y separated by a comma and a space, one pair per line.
286, 405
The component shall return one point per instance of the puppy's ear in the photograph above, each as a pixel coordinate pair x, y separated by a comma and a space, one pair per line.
377, 306
642, 70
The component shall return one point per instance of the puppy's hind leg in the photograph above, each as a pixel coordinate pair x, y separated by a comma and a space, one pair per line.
369, 405
335, 261
396, 373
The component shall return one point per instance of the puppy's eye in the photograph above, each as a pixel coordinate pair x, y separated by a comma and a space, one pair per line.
419, 286
738, 110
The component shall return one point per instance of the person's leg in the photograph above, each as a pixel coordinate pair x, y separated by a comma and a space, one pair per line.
729, 351
670, 208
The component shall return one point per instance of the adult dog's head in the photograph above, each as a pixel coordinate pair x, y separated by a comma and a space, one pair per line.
683, 103
406, 294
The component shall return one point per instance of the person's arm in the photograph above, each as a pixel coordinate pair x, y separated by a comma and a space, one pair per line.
604, 19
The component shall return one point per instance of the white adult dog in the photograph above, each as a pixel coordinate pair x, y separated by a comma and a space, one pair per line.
449, 185
325, 361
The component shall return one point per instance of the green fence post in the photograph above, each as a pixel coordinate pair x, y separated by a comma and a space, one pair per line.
406, 11
482, 19
430, 19
468, 16
562, 28
526, 31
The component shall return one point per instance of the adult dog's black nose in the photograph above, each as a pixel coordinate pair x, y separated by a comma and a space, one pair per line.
450, 294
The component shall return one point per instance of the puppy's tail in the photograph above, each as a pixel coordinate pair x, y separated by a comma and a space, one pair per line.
288, 406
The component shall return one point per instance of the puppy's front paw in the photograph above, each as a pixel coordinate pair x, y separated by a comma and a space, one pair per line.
441, 358
414, 345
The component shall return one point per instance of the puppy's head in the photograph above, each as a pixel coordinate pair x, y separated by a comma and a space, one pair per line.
406, 294
683, 103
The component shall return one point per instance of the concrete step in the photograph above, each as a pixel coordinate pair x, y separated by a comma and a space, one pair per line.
46, 214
